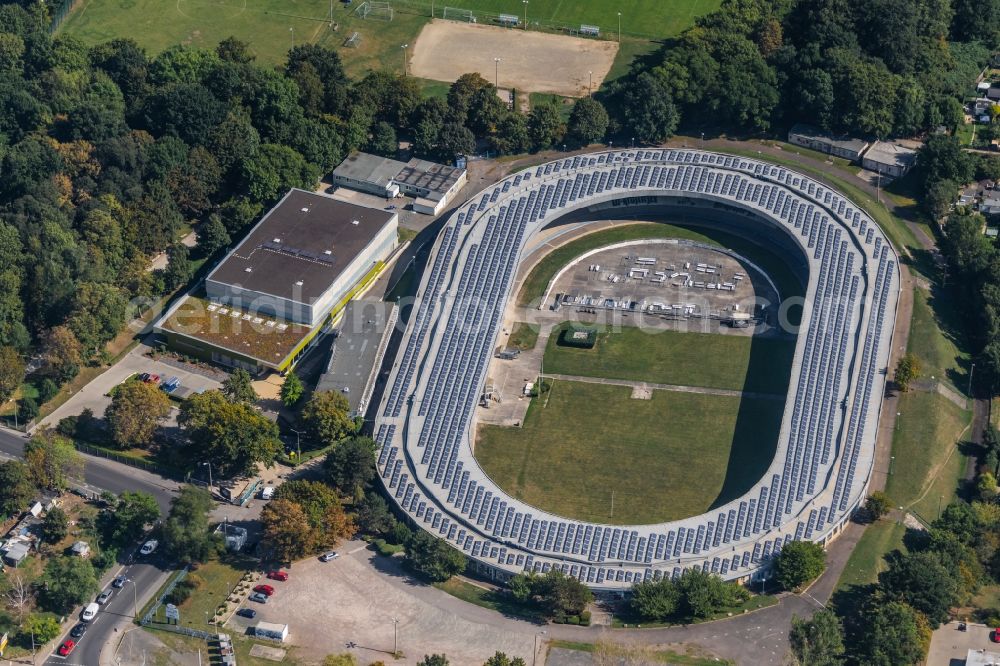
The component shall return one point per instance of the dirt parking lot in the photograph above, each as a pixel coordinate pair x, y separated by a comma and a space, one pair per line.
530, 61
341, 606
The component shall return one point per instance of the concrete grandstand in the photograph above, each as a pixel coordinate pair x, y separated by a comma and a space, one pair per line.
826, 446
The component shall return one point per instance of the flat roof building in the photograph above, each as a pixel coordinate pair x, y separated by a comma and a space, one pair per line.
272, 293
356, 354
814, 138
982, 658
433, 185
889, 159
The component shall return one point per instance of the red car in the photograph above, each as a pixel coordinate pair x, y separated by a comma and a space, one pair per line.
153, 379
66, 648
264, 589
278, 575
995, 635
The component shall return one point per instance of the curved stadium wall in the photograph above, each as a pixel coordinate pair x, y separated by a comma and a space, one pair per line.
826, 446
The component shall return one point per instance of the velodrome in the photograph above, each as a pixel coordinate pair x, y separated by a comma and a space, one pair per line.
826, 446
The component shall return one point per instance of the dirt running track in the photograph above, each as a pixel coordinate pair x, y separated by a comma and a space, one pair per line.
530, 61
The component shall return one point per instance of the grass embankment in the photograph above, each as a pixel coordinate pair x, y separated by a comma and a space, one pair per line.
534, 285
523, 336
867, 560
734, 362
486, 598
607, 652
631, 461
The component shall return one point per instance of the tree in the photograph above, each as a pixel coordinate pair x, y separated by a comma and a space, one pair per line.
179, 268
99, 312
233, 437
942, 158
800, 562
231, 49
186, 537
326, 417
655, 600
16, 488
960, 519
55, 525
818, 641
588, 123
907, 369
212, 235
561, 595
455, 139
19, 595
350, 467
433, 660
545, 128
432, 558
939, 197
11, 372
287, 530
877, 504
323, 510
52, 461
43, 628
894, 635
135, 412
703, 594
383, 140
650, 113
501, 659
61, 353
291, 389
275, 169
238, 388
67, 582
126, 520
922, 582
373, 516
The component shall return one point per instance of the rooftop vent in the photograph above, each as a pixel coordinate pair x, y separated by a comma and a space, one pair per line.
277, 240
305, 209
247, 269
327, 252
355, 222
298, 283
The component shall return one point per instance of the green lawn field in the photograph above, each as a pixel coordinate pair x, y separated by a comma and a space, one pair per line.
533, 287
271, 25
582, 442
735, 362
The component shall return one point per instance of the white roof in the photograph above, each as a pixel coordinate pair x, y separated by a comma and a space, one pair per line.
982, 658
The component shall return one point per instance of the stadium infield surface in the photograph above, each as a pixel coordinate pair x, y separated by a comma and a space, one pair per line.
665, 458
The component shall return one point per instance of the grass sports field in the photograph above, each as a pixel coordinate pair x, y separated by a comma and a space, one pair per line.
735, 362
570, 455
269, 25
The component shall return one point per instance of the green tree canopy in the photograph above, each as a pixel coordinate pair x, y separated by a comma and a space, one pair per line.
326, 417
432, 558
186, 537
67, 582
16, 488
238, 388
800, 562
233, 437
818, 641
350, 467
55, 525
588, 123
291, 389
135, 412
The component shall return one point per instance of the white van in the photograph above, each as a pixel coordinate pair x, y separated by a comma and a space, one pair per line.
267, 492
90, 612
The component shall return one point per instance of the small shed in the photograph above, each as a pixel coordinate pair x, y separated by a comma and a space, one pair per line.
15, 553
271, 630
81, 549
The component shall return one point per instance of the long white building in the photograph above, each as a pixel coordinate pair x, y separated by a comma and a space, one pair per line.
826, 446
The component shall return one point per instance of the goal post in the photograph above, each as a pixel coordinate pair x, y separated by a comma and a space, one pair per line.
459, 14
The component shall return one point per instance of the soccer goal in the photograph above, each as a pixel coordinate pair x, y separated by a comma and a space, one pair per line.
380, 11
459, 14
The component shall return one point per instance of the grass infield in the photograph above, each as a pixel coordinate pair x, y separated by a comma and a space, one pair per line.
735, 362
582, 442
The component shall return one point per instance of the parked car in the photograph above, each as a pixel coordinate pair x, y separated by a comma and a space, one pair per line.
66, 648
152, 378
90, 612
264, 589
258, 597
144, 377
119, 582
149, 547
326, 557
103, 597
79, 630
267, 492
278, 575
248, 613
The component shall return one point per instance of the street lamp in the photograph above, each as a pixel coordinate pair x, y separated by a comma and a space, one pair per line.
525, 13
135, 599
292, 30
619, 27
298, 443
395, 623
404, 47
496, 74
892, 460
591, 87
210, 486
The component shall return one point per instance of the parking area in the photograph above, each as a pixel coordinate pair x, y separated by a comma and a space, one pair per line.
340, 606
950, 646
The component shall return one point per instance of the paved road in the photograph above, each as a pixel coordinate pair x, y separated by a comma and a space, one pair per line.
100, 474
115, 616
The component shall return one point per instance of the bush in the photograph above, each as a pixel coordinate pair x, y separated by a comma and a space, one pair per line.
585, 618
386, 549
579, 337
67, 426
47, 390
27, 408
182, 592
